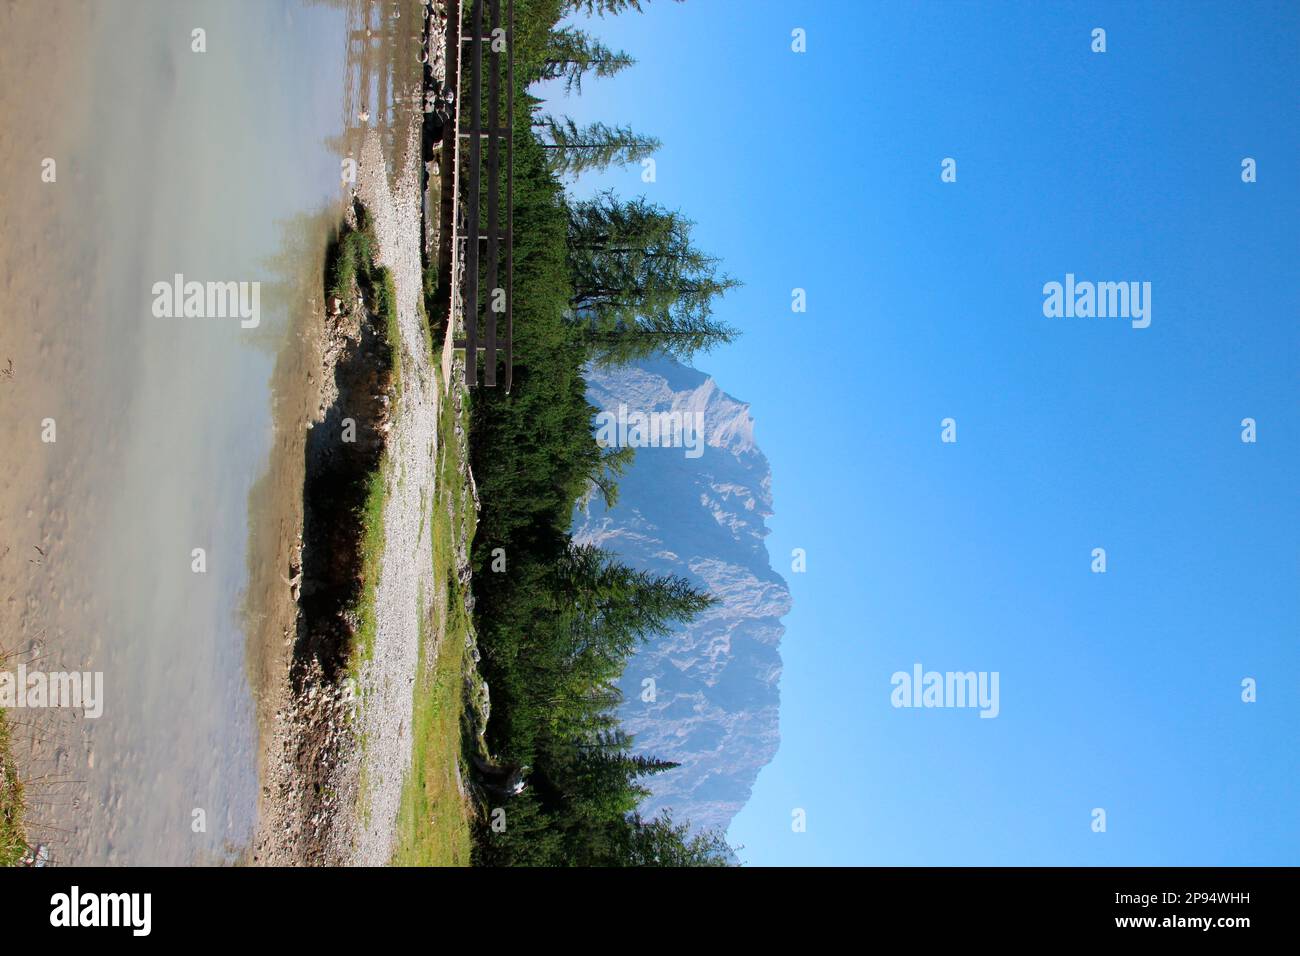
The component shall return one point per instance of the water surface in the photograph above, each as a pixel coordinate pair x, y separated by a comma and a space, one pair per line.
168, 161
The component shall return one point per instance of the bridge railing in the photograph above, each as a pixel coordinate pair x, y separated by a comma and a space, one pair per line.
489, 240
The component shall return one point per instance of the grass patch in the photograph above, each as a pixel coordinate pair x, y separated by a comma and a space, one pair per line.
430, 285
352, 265
352, 269
363, 638
13, 844
385, 295
434, 824
372, 556
427, 329
354, 250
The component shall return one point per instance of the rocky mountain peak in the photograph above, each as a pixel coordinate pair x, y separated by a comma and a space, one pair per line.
714, 703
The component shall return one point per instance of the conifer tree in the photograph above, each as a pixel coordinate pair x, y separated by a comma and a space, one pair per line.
571, 52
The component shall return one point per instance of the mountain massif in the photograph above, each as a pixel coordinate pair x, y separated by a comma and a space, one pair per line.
706, 696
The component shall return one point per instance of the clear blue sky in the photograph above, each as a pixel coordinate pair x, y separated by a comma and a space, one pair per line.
1118, 690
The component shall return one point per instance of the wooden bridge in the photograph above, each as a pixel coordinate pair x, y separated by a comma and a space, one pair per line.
480, 242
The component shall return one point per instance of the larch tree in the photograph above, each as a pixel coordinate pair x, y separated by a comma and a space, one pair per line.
570, 53
572, 149
640, 286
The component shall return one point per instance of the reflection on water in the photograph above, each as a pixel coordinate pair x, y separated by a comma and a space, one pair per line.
383, 75
168, 161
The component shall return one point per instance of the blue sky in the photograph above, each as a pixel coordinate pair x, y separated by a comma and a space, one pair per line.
821, 170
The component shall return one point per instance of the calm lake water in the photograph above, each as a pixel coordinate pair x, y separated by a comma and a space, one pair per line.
167, 161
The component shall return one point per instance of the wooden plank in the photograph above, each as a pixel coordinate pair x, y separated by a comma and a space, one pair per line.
472, 200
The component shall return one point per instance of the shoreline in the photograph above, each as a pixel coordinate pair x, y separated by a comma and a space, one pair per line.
275, 509
335, 749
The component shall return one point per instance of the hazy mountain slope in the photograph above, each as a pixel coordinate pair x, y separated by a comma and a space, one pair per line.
717, 696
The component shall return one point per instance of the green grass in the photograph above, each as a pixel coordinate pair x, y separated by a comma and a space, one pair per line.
385, 287
434, 824
352, 259
428, 334
354, 248
372, 556
353, 266
13, 844
363, 639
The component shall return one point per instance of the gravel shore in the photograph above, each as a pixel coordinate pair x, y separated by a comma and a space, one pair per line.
336, 753
406, 576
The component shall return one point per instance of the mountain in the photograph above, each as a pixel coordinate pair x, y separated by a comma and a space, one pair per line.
697, 511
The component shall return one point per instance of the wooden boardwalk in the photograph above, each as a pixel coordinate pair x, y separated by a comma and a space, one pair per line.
479, 242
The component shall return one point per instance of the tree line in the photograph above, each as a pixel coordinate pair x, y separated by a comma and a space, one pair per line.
605, 280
